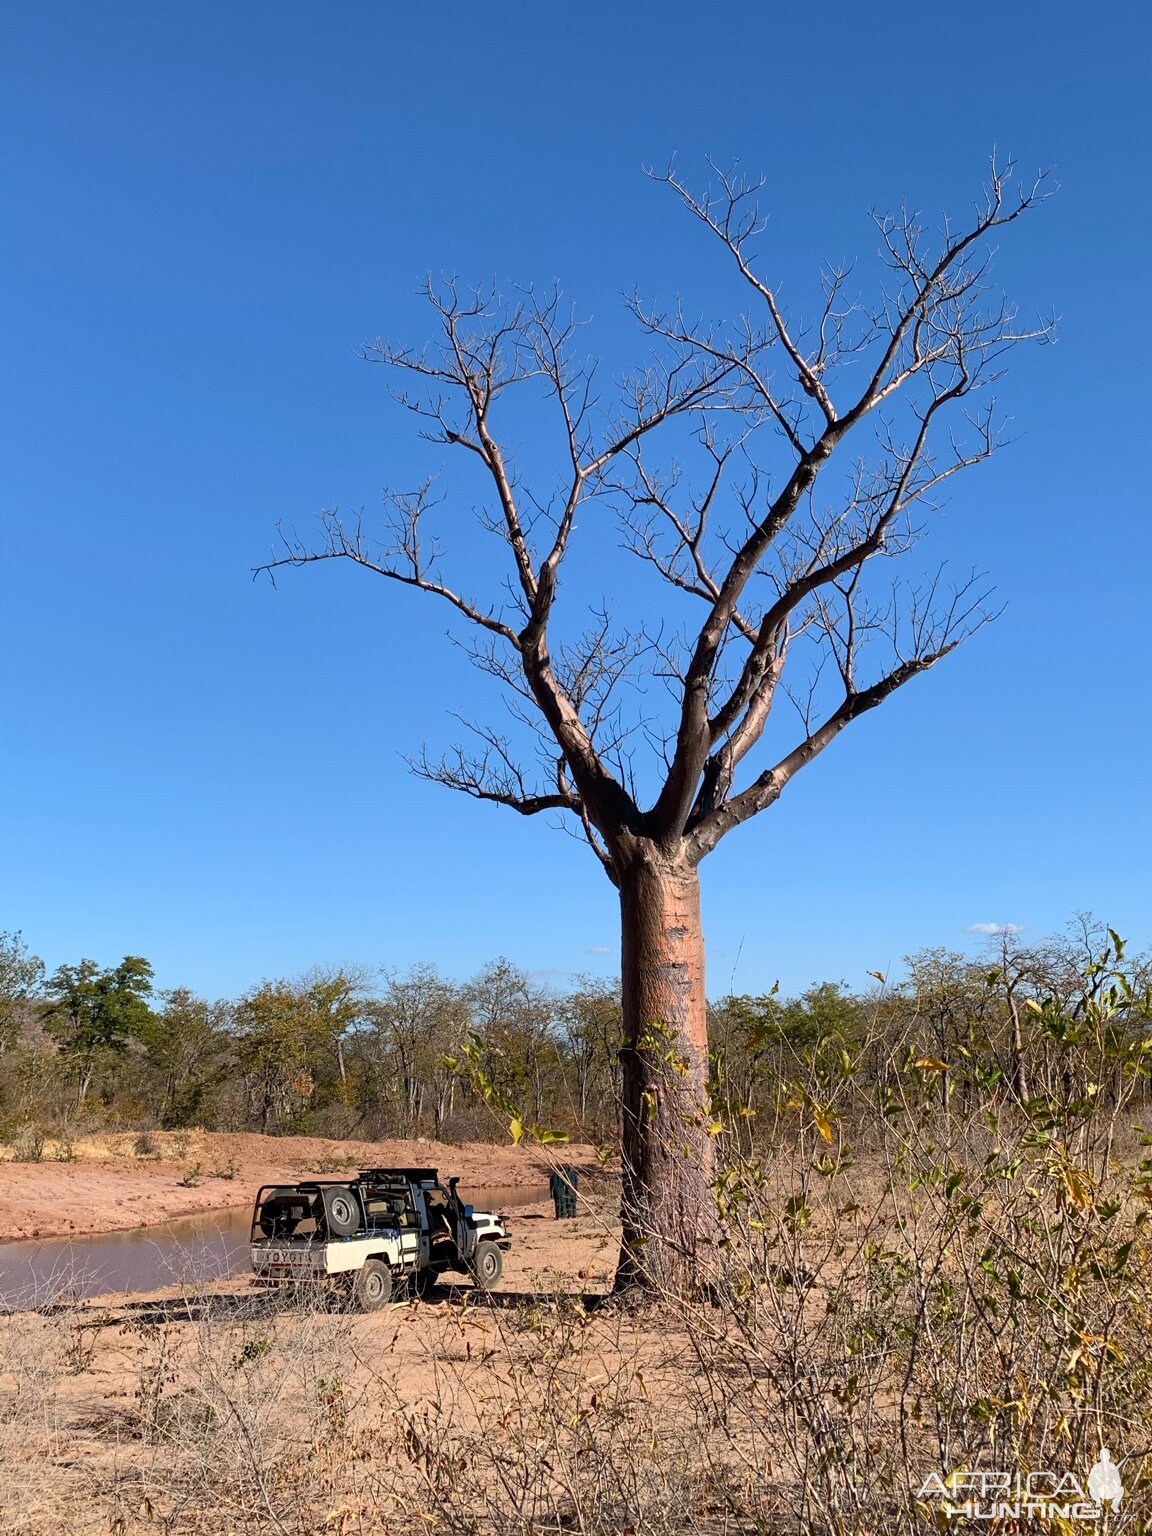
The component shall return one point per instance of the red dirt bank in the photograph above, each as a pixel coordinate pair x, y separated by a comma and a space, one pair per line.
116, 1182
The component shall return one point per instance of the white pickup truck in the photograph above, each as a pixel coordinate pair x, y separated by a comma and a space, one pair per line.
384, 1229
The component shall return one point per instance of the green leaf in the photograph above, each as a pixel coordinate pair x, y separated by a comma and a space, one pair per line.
549, 1138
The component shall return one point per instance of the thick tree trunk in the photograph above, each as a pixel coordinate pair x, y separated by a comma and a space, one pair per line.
668, 1153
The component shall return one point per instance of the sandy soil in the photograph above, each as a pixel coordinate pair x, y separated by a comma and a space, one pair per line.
110, 1398
111, 1183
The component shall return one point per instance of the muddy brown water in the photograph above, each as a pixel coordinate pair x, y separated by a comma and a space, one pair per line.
190, 1251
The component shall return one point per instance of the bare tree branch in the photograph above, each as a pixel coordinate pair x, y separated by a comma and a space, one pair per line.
778, 556
406, 562
934, 636
493, 775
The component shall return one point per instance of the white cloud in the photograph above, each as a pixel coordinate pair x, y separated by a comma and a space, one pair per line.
601, 949
993, 930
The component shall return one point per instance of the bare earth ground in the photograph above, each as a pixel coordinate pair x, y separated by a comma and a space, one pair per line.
230, 1409
115, 1182
234, 1409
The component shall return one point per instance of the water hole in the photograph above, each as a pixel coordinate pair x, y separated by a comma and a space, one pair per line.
191, 1251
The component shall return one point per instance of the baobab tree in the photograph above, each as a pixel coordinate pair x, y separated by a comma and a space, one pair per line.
765, 469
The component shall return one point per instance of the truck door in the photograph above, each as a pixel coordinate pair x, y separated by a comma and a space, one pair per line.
411, 1232
441, 1228
422, 1224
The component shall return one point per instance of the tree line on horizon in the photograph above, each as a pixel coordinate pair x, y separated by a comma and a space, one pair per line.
354, 1054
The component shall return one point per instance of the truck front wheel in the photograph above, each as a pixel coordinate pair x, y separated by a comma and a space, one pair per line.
372, 1287
487, 1266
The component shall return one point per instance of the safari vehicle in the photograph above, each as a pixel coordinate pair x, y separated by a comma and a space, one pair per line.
384, 1230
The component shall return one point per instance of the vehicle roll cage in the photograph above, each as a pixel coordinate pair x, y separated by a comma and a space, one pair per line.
389, 1182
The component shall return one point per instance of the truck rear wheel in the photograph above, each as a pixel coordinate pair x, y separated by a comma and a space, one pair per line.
372, 1287
487, 1266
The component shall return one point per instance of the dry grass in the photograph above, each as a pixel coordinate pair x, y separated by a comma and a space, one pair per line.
911, 1281
942, 1303
241, 1414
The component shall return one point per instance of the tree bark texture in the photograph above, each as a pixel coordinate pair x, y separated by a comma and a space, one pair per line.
667, 1151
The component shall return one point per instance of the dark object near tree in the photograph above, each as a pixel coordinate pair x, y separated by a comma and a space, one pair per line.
779, 555
562, 1186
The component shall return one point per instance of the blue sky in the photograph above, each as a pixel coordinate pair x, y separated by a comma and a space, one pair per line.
209, 207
